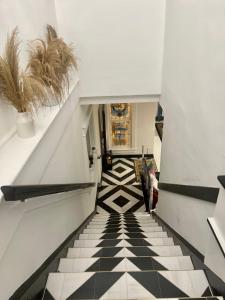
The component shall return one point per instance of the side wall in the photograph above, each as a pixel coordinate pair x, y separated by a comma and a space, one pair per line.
31, 18
193, 95
31, 231
119, 44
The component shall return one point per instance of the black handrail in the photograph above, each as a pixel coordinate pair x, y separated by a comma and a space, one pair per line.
205, 193
22, 192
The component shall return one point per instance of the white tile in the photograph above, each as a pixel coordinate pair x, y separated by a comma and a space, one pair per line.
130, 267
72, 282
192, 283
156, 234
121, 267
121, 253
167, 250
55, 284
160, 241
175, 263
81, 252
86, 243
135, 290
91, 236
75, 265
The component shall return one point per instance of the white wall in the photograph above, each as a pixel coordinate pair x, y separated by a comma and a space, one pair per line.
30, 232
119, 44
145, 127
31, 18
193, 93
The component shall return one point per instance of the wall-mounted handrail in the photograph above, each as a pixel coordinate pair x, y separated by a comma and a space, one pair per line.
205, 193
22, 192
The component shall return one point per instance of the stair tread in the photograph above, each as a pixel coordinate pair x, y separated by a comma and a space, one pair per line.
124, 251
123, 230
125, 264
124, 242
128, 285
123, 235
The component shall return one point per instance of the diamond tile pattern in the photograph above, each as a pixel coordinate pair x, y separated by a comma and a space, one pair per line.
125, 265
121, 201
123, 253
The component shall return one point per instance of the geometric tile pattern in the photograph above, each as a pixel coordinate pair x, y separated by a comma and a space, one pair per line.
119, 191
122, 173
120, 199
125, 259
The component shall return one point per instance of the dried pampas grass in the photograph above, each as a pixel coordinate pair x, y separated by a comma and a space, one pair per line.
65, 52
22, 90
44, 63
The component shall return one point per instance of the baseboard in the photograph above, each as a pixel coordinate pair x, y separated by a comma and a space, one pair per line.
34, 286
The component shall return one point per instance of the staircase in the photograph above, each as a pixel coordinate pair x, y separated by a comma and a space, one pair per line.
123, 253
125, 256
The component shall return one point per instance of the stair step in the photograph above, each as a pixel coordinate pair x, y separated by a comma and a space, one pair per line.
124, 242
124, 217
127, 285
123, 222
109, 226
114, 230
118, 264
124, 252
105, 236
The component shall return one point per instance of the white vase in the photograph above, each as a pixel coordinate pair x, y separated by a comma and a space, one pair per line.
25, 125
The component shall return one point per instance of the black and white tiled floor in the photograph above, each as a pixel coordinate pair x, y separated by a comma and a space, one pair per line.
120, 192
125, 256
122, 173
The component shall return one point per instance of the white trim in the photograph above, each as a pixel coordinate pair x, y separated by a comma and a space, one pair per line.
119, 99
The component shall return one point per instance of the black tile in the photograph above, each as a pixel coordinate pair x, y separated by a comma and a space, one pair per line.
113, 223
121, 201
108, 264
143, 263
131, 222
109, 243
107, 252
168, 289
138, 242
142, 251
95, 267
130, 225
134, 229
157, 266
104, 281
85, 291
48, 296
120, 170
110, 236
135, 235
207, 292
149, 281
111, 230
112, 227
